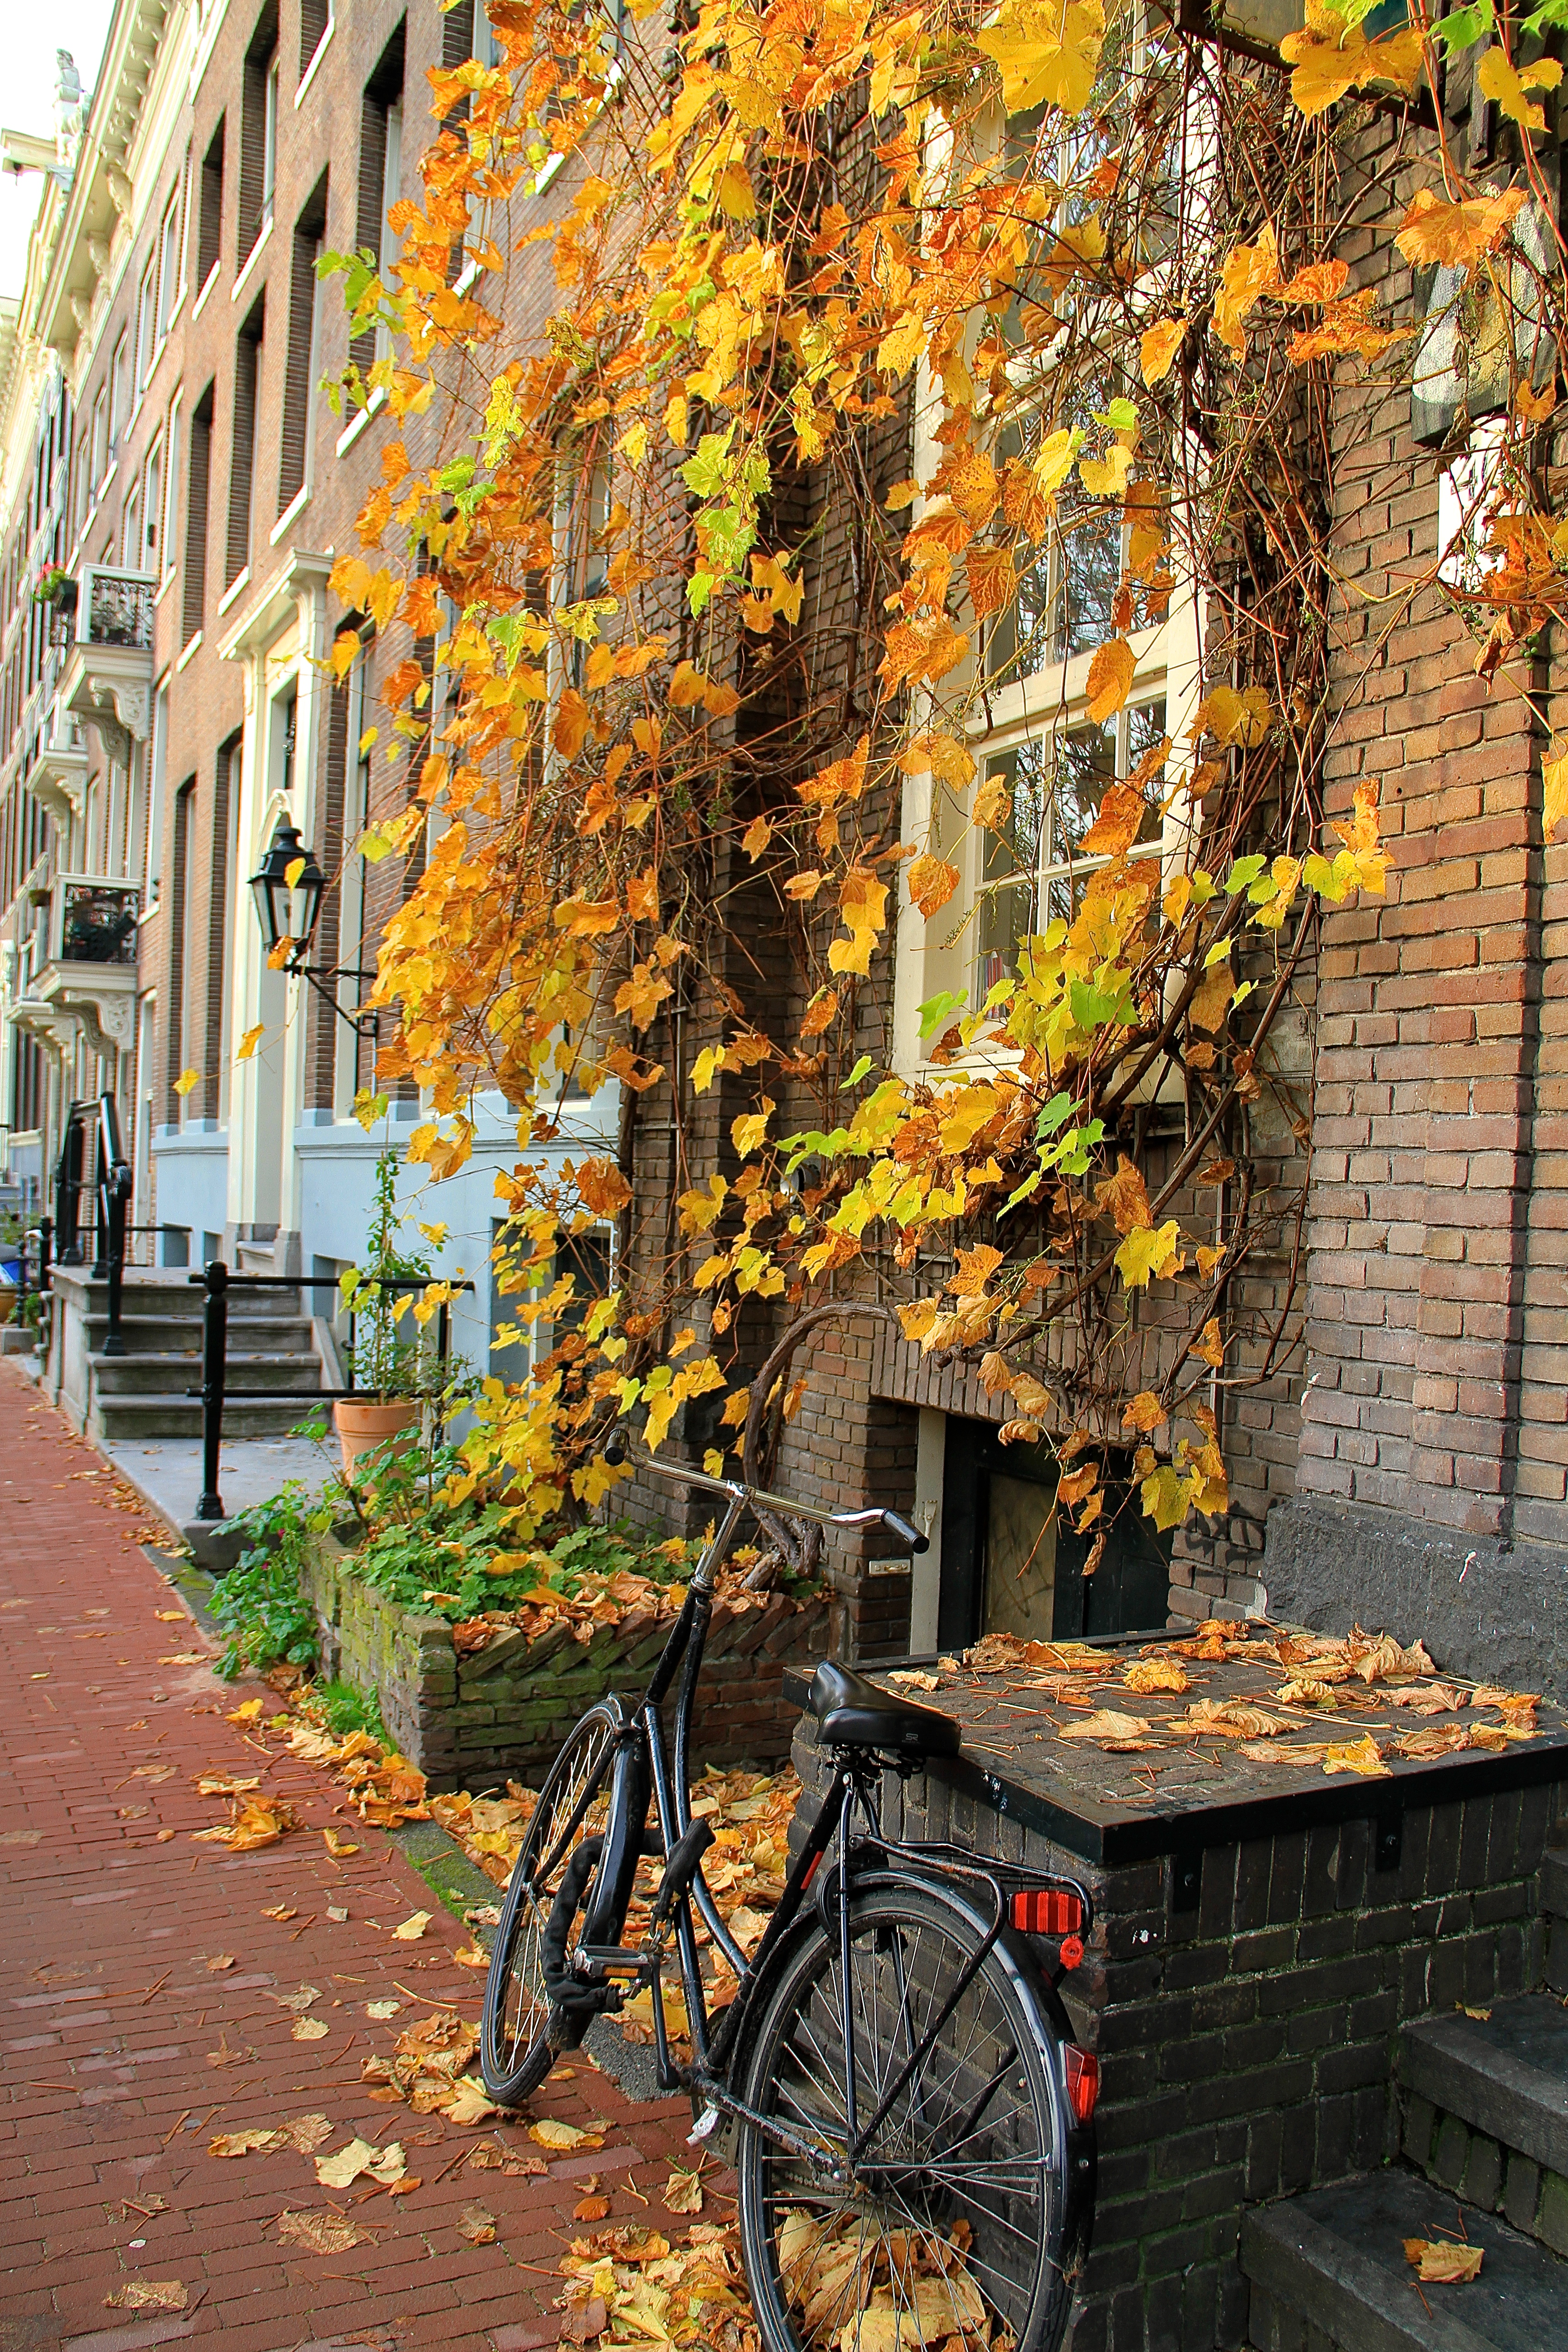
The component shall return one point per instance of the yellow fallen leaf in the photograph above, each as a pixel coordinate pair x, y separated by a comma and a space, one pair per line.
176, 1617
342, 2170
382, 2008
337, 1845
1359, 1756
550, 2133
243, 2143
318, 2233
147, 2294
470, 2103
683, 2192
1438, 2258
471, 1956
1105, 1724
413, 1927
1155, 1674
309, 2029
246, 1714
476, 2223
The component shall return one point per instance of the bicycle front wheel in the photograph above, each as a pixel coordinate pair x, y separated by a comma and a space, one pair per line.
516, 2045
950, 2227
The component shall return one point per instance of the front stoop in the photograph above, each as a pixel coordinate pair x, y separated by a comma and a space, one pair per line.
1328, 2273
1485, 2111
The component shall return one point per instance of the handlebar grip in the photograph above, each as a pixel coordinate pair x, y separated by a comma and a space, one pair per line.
615, 1451
908, 1535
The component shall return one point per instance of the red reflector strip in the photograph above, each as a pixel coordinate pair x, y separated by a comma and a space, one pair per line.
1083, 2080
1047, 1911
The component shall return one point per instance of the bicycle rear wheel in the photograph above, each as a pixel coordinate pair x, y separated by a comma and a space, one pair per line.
519, 2037
951, 2228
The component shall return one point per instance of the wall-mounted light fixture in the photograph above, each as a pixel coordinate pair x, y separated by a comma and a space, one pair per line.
288, 890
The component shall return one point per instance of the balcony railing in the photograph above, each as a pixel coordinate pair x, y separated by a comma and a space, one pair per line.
93, 921
115, 608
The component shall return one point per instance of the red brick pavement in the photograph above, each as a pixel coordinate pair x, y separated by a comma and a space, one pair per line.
124, 2049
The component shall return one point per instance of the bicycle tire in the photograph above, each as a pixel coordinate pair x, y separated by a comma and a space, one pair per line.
975, 2146
521, 2034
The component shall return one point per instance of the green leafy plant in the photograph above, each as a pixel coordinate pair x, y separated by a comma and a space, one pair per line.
261, 1603
389, 1364
343, 1709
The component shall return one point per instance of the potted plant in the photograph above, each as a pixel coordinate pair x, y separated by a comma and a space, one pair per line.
388, 1367
55, 587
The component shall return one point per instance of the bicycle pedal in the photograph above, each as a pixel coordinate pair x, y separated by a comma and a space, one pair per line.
704, 2127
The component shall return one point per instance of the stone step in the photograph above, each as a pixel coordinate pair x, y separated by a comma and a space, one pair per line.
1328, 2274
1486, 2110
138, 1417
170, 1375
1555, 1916
181, 1335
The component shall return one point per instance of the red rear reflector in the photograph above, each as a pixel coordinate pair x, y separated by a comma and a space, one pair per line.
1083, 2080
1047, 1911
1072, 1951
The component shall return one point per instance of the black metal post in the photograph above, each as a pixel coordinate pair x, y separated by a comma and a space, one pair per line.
114, 1339
46, 1241
215, 1348
102, 1177
443, 1350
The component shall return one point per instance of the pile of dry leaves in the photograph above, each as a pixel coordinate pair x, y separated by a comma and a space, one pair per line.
1300, 1682
631, 2285
621, 1598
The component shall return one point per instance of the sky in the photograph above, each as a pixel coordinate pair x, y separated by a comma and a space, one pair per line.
27, 104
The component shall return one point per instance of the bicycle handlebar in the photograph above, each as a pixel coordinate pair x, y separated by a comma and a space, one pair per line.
617, 1451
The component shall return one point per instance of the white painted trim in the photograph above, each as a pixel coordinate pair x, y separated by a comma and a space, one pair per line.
352, 432
317, 54
229, 594
291, 512
190, 650
208, 282
251, 258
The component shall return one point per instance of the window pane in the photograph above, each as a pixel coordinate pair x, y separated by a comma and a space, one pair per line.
1010, 860
1089, 559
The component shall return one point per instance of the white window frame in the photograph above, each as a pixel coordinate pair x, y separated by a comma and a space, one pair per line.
168, 264
130, 529
101, 442
153, 494
119, 415
146, 327
171, 439
157, 766
270, 134
314, 363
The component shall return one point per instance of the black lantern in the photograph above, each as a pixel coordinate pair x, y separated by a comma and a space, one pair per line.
289, 894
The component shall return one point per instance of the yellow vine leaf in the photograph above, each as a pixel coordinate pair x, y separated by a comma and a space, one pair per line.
250, 1041
1329, 58
1456, 236
187, 1081
932, 882
1149, 1252
1157, 348
1047, 51
1109, 679
1498, 79
1249, 272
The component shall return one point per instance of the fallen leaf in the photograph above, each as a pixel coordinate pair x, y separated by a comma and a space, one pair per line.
174, 1617
1359, 1756
470, 2103
309, 2029
307, 2133
1439, 2259
300, 1999
337, 1845
382, 2008
412, 1928
246, 1714
1230, 1720
281, 1911
478, 2224
591, 2208
147, 2294
318, 2233
549, 2133
333, 1912
683, 2192
585, 2321
1112, 1729
471, 1956
219, 1962
1307, 1691
243, 2143
342, 2170
1155, 1674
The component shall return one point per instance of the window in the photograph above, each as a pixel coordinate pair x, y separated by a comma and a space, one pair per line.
581, 519
209, 243
130, 531
156, 764
153, 509
168, 265
303, 367
315, 15
101, 435
118, 392
269, 140
1032, 868
194, 597
171, 490
146, 325
380, 173
242, 458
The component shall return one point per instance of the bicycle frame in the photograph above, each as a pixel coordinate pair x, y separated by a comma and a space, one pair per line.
646, 1774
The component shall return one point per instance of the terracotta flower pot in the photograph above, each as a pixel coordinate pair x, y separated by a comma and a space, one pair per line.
363, 1427
7, 1302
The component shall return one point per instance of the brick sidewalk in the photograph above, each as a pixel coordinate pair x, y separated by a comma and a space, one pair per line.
124, 2046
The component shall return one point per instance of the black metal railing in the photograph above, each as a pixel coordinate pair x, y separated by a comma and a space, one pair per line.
111, 1185
174, 1265
217, 1282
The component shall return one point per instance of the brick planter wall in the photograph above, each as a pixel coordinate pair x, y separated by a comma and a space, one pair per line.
503, 1712
1245, 1987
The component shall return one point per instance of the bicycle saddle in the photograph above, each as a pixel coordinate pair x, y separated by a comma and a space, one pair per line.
853, 1713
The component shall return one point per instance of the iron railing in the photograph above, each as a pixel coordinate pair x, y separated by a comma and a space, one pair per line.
217, 1282
111, 1185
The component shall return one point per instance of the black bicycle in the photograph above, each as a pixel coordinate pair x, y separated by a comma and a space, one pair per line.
895, 2075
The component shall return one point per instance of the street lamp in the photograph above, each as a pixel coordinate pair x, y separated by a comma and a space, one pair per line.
288, 895
287, 889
